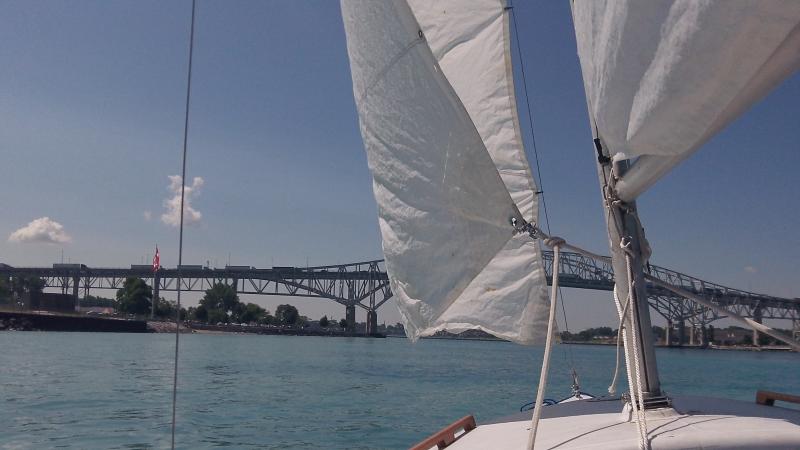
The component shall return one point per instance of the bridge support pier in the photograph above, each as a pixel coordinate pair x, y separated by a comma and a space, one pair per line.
350, 318
667, 333
758, 317
372, 322
681, 332
75, 285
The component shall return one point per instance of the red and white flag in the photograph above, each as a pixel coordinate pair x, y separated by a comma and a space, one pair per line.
156, 261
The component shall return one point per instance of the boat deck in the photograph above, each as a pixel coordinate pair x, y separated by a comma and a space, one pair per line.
693, 422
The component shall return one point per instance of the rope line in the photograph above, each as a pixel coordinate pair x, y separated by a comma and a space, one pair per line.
637, 400
537, 409
180, 233
621, 311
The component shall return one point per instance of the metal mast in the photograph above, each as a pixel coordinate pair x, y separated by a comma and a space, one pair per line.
629, 254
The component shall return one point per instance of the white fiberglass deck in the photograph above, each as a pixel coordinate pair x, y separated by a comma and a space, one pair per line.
695, 422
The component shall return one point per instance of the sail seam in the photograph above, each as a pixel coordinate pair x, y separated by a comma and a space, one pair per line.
382, 73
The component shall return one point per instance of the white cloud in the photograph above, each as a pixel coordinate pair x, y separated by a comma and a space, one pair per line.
172, 204
750, 269
148, 215
41, 230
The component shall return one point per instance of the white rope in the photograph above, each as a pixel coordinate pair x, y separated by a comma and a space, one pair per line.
621, 311
637, 401
637, 395
537, 409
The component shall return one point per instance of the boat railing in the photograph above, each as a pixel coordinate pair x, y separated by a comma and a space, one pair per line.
448, 435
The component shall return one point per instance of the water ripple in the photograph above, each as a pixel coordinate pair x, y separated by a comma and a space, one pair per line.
113, 391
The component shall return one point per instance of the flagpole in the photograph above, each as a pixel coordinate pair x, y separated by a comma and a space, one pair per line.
155, 291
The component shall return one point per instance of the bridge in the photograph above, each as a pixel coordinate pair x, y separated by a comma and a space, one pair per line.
365, 285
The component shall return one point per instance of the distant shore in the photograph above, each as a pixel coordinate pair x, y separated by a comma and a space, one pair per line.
194, 327
29, 321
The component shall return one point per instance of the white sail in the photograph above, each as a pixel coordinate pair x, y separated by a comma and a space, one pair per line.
470, 40
662, 77
444, 211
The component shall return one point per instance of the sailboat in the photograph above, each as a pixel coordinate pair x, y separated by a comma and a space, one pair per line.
458, 205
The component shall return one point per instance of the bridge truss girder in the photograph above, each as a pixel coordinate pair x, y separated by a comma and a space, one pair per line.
362, 284
578, 271
366, 285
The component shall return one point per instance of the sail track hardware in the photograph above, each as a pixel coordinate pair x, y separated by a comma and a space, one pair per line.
526, 227
602, 158
535, 232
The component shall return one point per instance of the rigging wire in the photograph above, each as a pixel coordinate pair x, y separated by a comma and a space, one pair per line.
536, 158
180, 233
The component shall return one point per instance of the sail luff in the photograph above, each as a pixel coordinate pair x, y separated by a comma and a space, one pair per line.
444, 211
434, 90
471, 41
648, 169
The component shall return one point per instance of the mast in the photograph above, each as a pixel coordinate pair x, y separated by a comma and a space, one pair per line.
623, 226
660, 81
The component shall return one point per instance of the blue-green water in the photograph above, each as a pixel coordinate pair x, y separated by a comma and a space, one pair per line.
82, 390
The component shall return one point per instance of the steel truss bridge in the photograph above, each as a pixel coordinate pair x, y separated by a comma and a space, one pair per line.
365, 285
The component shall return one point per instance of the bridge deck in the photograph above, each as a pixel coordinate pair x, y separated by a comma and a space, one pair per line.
366, 285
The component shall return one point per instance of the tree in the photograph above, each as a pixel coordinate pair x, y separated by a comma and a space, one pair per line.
217, 316
267, 319
286, 314
166, 309
135, 296
26, 284
5, 290
323, 322
342, 323
220, 296
252, 313
201, 313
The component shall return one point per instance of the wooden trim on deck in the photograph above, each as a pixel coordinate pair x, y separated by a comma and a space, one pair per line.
768, 398
447, 435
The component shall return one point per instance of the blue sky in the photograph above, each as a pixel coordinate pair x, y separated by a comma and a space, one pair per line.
91, 122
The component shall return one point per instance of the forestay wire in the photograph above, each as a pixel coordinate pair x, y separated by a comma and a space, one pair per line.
180, 233
539, 176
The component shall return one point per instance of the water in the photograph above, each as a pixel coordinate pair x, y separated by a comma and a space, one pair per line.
83, 390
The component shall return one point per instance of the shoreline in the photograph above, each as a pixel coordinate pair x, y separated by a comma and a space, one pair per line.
169, 327
29, 321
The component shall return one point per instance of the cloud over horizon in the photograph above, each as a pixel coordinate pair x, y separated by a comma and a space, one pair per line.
43, 231
191, 216
750, 269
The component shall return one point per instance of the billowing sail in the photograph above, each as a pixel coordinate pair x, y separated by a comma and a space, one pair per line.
470, 39
662, 77
429, 109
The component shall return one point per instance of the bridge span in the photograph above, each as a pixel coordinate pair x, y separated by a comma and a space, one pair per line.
365, 285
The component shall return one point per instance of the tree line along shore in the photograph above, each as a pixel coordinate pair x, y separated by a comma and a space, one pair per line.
221, 310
